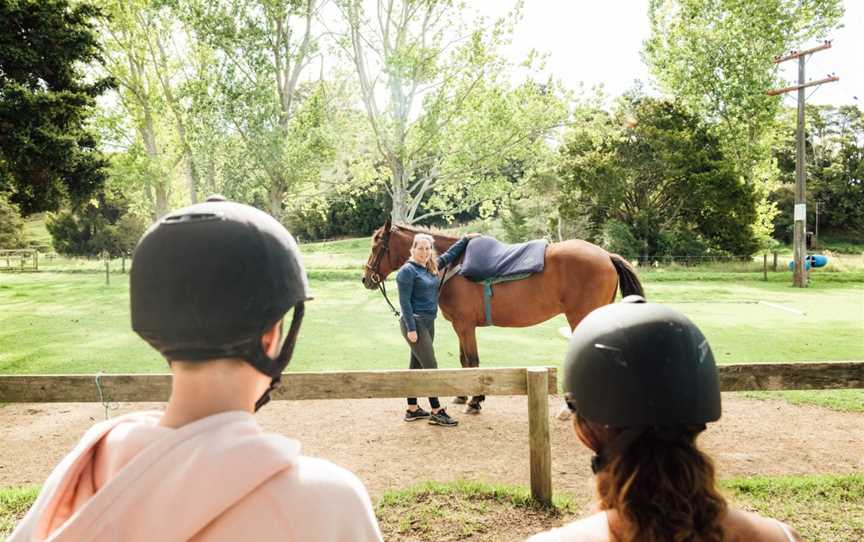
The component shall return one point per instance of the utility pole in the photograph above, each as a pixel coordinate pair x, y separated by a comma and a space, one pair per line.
800, 215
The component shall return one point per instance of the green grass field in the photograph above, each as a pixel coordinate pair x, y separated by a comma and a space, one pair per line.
65, 319
74, 323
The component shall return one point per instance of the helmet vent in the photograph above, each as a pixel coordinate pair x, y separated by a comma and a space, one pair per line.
191, 217
616, 353
703, 350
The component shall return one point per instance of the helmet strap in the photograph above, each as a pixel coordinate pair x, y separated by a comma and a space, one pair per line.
289, 340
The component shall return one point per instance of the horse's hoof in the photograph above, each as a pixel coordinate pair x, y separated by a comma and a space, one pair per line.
472, 409
460, 400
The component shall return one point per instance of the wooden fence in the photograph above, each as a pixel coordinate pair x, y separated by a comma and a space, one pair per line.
535, 382
19, 259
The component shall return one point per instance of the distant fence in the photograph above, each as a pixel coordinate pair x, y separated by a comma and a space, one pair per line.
535, 382
19, 259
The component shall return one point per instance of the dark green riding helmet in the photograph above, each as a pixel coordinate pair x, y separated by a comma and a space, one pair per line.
637, 364
209, 279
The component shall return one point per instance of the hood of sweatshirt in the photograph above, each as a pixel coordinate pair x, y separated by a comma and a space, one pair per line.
131, 479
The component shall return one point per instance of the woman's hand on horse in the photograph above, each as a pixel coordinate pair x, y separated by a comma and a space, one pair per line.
412, 336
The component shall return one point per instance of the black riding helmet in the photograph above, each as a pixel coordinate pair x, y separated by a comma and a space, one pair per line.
208, 280
635, 366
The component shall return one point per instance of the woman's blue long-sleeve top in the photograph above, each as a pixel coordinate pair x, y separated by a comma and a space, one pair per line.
418, 288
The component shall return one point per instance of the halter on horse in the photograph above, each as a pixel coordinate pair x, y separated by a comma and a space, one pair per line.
372, 271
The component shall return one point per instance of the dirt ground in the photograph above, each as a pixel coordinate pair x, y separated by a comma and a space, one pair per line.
368, 437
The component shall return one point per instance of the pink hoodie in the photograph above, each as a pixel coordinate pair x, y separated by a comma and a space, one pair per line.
219, 478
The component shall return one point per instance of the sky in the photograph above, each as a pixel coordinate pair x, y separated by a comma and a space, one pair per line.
599, 42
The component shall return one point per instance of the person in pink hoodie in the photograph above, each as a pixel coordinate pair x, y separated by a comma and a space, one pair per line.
641, 381
218, 288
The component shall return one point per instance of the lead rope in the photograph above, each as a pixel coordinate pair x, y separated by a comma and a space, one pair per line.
383, 290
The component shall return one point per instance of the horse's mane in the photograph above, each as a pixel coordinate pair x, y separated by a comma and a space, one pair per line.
418, 230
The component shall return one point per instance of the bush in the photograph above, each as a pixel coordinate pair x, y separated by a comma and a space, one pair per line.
347, 211
102, 226
616, 237
11, 224
683, 243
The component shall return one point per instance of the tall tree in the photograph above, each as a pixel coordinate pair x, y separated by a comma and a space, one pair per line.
835, 169
265, 53
437, 101
143, 126
717, 58
655, 174
47, 149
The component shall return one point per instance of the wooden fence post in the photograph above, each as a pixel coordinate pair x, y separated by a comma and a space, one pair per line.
538, 431
775, 261
107, 270
765, 266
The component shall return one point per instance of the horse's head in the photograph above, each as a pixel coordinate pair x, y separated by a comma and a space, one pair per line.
382, 261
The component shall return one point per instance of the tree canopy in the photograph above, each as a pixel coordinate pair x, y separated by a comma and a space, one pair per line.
48, 150
443, 115
654, 181
332, 114
717, 58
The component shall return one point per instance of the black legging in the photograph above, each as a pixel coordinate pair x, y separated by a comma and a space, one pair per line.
422, 351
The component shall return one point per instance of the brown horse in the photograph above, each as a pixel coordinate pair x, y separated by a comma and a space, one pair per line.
577, 278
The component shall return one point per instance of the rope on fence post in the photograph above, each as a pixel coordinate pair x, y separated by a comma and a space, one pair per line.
106, 403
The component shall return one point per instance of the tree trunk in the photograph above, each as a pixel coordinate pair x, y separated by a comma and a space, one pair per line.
400, 207
211, 176
148, 134
401, 197
192, 176
275, 194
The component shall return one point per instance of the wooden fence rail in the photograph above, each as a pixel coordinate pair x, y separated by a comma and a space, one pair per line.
535, 382
405, 383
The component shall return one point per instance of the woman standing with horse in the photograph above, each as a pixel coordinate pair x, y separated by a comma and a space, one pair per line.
577, 278
418, 298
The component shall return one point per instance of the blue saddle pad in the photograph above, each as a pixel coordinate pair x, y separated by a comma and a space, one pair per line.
486, 257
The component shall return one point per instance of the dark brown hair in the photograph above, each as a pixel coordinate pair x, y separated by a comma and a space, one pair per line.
662, 486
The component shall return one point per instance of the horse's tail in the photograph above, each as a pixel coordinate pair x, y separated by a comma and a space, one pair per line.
627, 278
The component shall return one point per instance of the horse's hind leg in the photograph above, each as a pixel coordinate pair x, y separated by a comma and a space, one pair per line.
463, 359
574, 317
472, 359
468, 358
